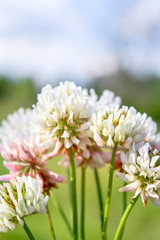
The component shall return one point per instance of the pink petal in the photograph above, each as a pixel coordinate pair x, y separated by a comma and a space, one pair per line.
54, 177
11, 167
7, 177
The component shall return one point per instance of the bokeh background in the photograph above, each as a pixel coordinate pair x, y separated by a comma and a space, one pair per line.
101, 44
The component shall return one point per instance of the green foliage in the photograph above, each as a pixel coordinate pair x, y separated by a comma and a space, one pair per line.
15, 94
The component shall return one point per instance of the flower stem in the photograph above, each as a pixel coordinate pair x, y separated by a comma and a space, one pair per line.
99, 192
83, 204
124, 204
28, 232
69, 186
74, 195
119, 233
61, 210
124, 199
109, 192
53, 237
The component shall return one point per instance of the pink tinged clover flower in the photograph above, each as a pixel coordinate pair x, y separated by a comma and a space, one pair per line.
63, 112
142, 173
23, 154
19, 198
93, 156
122, 126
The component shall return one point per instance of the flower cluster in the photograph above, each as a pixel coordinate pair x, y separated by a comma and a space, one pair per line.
25, 152
63, 112
122, 126
142, 172
70, 120
19, 198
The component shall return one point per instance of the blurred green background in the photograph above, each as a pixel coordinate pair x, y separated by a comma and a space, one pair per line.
143, 223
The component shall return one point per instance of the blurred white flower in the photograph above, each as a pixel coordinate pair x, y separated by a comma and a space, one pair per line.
120, 125
142, 172
19, 198
19, 121
107, 99
64, 113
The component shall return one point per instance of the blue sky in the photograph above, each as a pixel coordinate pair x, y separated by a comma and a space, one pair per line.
55, 39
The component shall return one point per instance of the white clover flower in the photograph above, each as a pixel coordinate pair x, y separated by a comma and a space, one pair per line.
142, 173
64, 112
19, 198
120, 125
19, 121
107, 98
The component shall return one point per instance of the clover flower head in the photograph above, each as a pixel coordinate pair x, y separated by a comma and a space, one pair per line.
142, 173
19, 198
23, 154
19, 121
63, 112
119, 125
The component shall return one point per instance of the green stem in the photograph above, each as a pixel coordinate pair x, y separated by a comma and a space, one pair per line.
83, 204
74, 195
109, 192
69, 186
28, 232
99, 192
124, 199
119, 233
53, 237
61, 210
124, 204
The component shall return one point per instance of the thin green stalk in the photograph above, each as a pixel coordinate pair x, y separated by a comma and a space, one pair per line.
109, 193
124, 200
28, 232
124, 203
53, 237
69, 185
61, 210
99, 192
83, 204
74, 195
119, 232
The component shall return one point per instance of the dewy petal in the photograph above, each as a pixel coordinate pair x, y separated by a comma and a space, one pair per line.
131, 187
